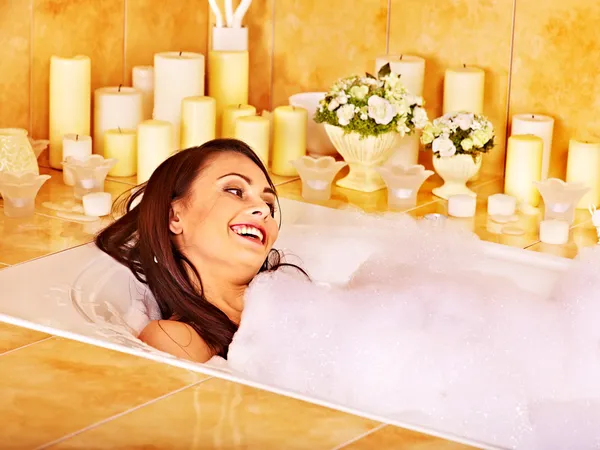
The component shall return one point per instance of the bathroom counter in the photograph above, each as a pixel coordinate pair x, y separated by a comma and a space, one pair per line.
58, 393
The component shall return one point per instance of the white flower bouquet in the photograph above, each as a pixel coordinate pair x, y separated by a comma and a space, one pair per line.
459, 133
372, 106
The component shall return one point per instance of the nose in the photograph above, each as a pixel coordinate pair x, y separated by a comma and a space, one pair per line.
260, 210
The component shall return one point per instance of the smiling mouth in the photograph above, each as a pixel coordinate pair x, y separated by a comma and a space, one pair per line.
249, 232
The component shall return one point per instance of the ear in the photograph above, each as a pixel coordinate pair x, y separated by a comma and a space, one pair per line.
175, 224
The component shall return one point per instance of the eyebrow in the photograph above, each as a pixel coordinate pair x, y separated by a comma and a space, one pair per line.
266, 190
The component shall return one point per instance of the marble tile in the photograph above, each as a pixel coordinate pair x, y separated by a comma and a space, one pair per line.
393, 438
57, 387
218, 414
15, 35
581, 236
555, 70
13, 337
68, 28
317, 42
448, 34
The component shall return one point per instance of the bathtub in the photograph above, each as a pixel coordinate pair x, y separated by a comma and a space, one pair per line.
82, 294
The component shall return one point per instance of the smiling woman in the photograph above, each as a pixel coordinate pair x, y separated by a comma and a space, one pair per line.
204, 228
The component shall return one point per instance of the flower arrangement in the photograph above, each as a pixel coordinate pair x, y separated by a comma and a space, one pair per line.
459, 133
371, 106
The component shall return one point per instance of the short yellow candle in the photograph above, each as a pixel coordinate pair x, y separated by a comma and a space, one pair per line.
122, 145
289, 138
70, 102
464, 90
255, 131
583, 166
230, 114
154, 145
198, 116
228, 79
524, 157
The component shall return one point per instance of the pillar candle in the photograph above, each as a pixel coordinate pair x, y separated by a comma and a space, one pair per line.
464, 89
255, 131
154, 145
583, 166
289, 138
523, 166
230, 114
78, 147
410, 68
143, 81
115, 107
70, 102
538, 125
198, 121
177, 75
228, 79
121, 144
406, 151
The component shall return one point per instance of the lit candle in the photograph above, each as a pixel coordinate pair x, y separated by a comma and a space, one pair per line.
230, 114
583, 166
70, 102
143, 81
524, 166
177, 75
155, 144
115, 107
255, 131
554, 232
410, 68
121, 144
462, 205
198, 121
289, 138
538, 125
501, 205
228, 79
464, 90
78, 147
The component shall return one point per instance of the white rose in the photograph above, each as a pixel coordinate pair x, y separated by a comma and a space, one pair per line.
402, 107
333, 105
345, 114
380, 110
444, 146
464, 121
419, 117
342, 98
402, 128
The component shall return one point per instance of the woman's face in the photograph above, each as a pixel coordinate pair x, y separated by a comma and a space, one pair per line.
228, 221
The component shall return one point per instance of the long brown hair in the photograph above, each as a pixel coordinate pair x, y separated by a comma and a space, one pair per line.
142, 241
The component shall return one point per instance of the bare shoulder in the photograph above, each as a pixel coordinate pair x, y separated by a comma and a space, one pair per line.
177, 338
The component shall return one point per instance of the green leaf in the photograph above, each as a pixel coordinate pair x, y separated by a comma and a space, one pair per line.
370, 76
385, 70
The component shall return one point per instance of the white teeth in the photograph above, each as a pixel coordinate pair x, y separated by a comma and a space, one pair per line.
245, 230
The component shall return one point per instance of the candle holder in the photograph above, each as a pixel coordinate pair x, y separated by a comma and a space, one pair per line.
317, 175
19, 191
403, 183
560, 198
89, 173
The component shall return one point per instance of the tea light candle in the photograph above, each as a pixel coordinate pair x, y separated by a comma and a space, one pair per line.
410, 68
97, 204
230, 114
537, 125
464, 90
462, 205
501, 205
121, 145
554, 232
70, 102
255, 131
198, 120
115, 107
289, 138
77, 147
524, 166
155, 144
583, 166
143, 81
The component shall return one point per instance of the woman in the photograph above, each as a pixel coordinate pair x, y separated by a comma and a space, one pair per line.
204, 228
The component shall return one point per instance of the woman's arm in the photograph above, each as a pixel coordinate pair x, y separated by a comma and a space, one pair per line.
177, 338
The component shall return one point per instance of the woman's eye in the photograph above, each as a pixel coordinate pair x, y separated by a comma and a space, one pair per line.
235, 191
272, 209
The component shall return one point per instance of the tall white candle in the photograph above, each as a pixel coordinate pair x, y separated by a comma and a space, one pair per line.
78, 147
155, 144
464, 89
115, 107
583, 166
538, 125
410, 68
177, 75
198, 121
70, 102
143, 81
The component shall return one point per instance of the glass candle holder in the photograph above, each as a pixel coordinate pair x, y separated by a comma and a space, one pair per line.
560, 198
403, 183
89, 173
317, 175
19, 191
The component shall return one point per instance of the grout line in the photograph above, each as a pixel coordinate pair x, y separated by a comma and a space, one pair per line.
272, 77
361, 436
31, 41
510, 73
119, 415
124, 76
12, 350
388, 29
